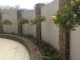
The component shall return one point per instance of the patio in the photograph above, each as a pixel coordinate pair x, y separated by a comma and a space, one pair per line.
12, 50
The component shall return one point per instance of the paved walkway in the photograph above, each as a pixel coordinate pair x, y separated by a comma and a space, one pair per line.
12, 50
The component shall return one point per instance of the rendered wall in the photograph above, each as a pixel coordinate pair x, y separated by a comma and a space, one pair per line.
75, 44
29, 29
11, 15
50, 33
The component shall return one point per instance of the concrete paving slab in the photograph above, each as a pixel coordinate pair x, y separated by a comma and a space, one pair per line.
12, 50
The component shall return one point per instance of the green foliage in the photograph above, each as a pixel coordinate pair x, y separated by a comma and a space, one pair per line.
22, 21
76, 10
47, 50
7, 22
12, 33
29, 36
37, 19
52, 58
69, 16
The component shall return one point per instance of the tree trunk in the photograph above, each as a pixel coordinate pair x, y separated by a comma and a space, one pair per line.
20, 28
64, 42
7, 28
1, 25
19, 16
64, 38
38, 30
38, 25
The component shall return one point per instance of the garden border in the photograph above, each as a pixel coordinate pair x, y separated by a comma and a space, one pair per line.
32, 49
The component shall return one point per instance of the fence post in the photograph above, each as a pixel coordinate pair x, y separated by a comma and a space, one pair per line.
64, 38
38, 25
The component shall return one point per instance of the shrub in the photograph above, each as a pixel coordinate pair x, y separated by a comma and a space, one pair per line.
69, 16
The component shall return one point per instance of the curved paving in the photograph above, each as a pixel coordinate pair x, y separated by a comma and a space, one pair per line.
33, 50
12, 50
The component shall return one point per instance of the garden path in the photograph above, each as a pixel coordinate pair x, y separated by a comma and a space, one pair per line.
12, 50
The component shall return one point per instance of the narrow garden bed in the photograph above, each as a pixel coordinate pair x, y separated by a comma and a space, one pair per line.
47, 51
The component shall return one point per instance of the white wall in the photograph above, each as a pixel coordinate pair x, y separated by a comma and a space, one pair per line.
75, 44
29, 29
11, 15
50, 33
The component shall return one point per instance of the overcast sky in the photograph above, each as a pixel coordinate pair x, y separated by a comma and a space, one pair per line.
29, 4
